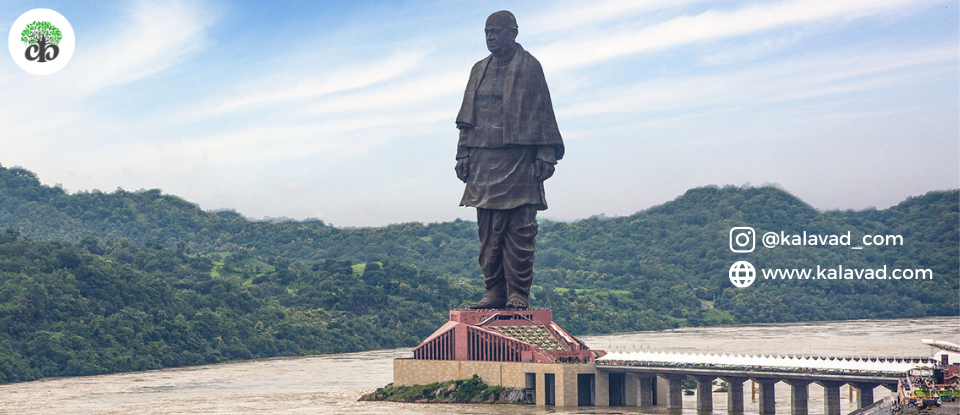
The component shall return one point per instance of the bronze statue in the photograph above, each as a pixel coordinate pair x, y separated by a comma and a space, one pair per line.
509, 144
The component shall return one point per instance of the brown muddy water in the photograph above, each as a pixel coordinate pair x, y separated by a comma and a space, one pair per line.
331, 384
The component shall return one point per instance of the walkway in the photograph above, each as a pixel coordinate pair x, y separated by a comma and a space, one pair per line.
639, 370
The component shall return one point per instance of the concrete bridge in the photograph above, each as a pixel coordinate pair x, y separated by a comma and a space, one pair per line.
631, 377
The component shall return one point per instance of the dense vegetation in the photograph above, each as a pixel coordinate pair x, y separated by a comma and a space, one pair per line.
471, 390
88, 308
99, 282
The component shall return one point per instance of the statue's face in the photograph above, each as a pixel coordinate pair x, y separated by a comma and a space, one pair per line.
499, 37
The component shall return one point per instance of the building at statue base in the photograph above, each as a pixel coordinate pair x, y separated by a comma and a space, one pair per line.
527, 350
521, 349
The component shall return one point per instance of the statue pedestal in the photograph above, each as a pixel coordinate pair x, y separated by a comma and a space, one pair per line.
522, 349
504, 336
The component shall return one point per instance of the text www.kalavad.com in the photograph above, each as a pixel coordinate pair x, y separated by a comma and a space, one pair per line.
843, 273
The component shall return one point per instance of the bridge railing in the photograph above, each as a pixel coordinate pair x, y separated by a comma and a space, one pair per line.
752, 368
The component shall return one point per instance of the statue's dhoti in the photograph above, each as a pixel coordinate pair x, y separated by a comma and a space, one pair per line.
507, 241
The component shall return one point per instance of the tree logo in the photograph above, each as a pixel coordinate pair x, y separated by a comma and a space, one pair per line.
41, 41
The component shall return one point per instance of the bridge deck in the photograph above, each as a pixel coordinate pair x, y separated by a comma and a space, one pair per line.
881, 369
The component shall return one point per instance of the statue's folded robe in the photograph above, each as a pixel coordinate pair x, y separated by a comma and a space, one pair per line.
528, 118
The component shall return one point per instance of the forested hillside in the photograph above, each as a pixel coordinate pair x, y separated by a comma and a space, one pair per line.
89, 308
99, 282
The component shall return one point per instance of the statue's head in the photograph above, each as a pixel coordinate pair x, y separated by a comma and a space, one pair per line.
501, 31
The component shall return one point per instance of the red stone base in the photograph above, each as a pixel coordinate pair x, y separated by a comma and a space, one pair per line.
504, 336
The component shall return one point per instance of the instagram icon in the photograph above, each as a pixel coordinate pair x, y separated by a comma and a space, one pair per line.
742, 239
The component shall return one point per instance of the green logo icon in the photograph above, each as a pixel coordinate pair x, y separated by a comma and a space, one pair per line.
42, 40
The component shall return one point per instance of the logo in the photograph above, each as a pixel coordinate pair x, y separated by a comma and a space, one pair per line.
742, 274
742, 239
41, 41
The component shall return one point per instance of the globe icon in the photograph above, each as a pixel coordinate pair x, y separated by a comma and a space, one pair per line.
742, 274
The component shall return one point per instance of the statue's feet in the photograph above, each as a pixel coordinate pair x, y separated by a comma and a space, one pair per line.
489, 304
517, 301
494, 299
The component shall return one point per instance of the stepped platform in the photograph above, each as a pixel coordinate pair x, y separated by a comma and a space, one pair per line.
504, 336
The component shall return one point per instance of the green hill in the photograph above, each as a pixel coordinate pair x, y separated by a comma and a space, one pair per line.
99, 282
90, 308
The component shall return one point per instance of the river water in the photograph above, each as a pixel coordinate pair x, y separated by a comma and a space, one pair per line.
331, 384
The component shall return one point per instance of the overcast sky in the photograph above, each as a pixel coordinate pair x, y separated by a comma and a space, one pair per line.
345, 112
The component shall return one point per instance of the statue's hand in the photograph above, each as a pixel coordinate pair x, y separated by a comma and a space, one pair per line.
542, 170
463, 168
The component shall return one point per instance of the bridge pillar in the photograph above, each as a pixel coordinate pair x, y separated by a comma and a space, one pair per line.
799, 393
647, 383
704, 393
865, 392
601, 388
734, 394
631, 387
674, 391
768, 398
831, 396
